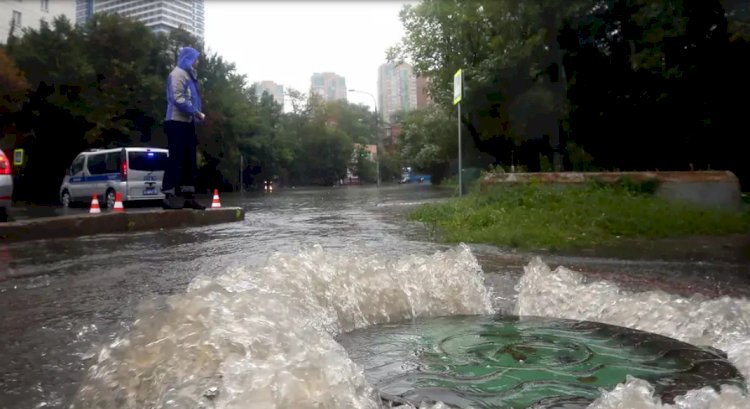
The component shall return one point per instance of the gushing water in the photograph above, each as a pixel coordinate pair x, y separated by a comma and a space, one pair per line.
266, 337
721, 323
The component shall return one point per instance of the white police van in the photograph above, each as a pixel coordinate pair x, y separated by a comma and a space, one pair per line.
136, 173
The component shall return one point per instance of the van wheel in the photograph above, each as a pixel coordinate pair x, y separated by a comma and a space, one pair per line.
3, 215
65, 199
109, 199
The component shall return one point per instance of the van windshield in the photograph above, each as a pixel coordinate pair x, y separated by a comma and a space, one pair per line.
147, 161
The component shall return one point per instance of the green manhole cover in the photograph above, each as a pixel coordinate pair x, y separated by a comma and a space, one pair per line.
526, 362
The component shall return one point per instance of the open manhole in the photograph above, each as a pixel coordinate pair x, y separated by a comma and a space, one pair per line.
526, 362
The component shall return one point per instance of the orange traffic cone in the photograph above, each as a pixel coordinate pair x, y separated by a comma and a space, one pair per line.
95, 205
215, 204
118, 208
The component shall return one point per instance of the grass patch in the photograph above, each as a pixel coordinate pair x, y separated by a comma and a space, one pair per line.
557, 217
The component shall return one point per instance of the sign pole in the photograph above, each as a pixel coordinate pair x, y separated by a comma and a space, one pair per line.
460, 184
242, 185
457, 96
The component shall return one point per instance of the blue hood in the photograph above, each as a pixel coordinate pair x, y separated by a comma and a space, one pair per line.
187, 57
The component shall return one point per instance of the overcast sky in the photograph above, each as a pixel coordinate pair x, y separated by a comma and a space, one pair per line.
287, 41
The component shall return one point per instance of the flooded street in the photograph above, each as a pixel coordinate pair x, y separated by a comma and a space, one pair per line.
248, 314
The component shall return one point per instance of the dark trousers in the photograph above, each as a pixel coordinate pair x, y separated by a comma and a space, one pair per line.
182, 166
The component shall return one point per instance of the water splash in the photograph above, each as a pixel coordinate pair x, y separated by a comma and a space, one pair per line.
721, 323
265, 338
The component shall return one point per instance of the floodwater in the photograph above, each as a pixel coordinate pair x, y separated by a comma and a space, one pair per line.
253, 314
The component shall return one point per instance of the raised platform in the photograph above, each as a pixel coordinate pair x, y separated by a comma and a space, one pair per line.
109, 223
711, 189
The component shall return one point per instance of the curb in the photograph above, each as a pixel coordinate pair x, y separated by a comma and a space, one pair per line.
113, 223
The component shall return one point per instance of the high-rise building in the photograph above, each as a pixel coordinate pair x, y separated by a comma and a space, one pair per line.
423, 97
84, 10
272, 88
159, 16
329, 86
29, 13
397, 89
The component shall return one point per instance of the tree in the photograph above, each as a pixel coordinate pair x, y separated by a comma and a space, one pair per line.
267, 148
510, 59
127, 89
428, 140
105, 96
366, 168
328, 151
52, 121
225, 109
647, 76
667, 58
357, 121
13, 86
13, 90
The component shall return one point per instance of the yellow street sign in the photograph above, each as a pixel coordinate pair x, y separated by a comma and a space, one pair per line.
458, 86
18, 157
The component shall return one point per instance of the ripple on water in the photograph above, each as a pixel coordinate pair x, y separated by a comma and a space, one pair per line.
522, 362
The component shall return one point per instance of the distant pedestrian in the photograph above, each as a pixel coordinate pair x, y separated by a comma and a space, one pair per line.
183, 113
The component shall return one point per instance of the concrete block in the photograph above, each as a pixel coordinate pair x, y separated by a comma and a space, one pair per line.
708, 189
109, 223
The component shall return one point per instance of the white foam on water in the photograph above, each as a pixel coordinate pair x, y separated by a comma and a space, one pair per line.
265, 338
723, 323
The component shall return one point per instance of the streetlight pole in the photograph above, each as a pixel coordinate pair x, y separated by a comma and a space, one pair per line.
377, 132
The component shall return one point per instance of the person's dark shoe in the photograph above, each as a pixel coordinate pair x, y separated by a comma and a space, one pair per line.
172, 202
193, 204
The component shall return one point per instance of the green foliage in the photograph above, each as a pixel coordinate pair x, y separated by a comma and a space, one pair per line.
329, 152
13, 94
506, 49
390, 166
317, 135
581, 161
545, 77
357, 121
629, 185
13, 86
428, 143
228, 108
544, 163
428, 138
102, 85
366, 169
84, 92
555, 217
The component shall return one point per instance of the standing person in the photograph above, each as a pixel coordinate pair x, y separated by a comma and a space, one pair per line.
183, 113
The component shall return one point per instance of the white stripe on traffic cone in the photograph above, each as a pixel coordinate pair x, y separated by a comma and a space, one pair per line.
118, 203
95, 205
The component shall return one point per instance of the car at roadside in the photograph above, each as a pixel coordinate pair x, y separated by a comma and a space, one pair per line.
134, 172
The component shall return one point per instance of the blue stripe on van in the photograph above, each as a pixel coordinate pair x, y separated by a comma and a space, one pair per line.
95, 178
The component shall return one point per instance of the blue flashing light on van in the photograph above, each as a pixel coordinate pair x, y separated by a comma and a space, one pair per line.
135, 173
